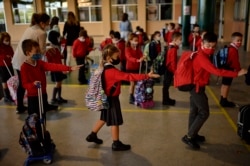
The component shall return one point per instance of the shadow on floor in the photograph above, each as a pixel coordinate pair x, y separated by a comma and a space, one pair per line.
3, 152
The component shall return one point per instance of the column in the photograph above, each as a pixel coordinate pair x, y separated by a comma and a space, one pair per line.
206, 14
106, 16
185, 20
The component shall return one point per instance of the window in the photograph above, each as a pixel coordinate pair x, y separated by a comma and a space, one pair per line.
22, 11
2, 17
159, 9
124, 6
57, 8
90, 10
240, 7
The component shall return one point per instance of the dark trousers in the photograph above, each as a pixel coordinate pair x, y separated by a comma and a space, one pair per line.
33, 104
199, 111
81, 73
20, 92
167, 81
123, 65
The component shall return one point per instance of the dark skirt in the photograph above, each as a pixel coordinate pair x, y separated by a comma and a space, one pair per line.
113, 115
57, 76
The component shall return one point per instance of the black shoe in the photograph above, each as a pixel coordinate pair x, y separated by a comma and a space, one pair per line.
191, 142
131, 99
199, 138
61, 100
54, 101
21, 110
170, 102
8, 100
119, 146
52, 107
93, 138
226, 103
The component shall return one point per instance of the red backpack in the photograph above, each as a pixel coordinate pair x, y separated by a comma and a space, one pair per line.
184, 74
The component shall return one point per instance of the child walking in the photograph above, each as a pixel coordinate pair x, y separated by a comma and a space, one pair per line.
134, 57
54, 55
33, 73
113, 115
171, 64
6, 54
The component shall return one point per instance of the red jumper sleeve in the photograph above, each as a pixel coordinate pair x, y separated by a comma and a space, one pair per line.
122, 76
172, 59
74, 48
54, 67
233, 59
129, 56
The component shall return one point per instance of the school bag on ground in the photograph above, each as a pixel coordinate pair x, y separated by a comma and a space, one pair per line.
35, 139
244, 123
95, 98
220, 58
184, 74
144, 92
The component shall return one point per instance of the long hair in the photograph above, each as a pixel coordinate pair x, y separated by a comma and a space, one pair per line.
54, 21
130, 37
108, 51
4, 35
71, 20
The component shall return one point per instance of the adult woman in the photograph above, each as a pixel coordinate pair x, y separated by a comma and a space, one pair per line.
37, 31
71, 31
125, 27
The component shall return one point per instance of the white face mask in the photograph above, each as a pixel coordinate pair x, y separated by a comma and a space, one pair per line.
59, 40
47, 28
158, 38
6, 42
114, 41
81, 39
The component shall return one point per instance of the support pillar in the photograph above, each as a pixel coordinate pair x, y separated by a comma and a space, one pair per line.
185, 21
247, 27
206, 14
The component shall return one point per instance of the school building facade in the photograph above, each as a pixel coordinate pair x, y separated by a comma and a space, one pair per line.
100, 16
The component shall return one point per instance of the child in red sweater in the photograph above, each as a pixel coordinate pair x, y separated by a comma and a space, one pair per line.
113, 116
171, 64
33, 73
54, 55
6, 54
134, 57
232, 64
120, 43
168, 35
80, 50
194, 37
107, 40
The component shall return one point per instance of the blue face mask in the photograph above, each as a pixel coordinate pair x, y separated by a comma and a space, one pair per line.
36, 56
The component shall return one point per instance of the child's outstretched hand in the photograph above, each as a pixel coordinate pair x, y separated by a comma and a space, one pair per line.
242, 72
76, 67
152, 75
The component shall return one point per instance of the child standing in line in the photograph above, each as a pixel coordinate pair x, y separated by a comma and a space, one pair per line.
134, 57
168, 35
108, 40
6, 54
54, 55
33, 73
80, 50
154, 47
121, 44
194, 37
199, 107
113, 116
232, 64
171, 65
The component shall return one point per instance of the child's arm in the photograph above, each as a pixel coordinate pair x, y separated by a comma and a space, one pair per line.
172, 59
130, 57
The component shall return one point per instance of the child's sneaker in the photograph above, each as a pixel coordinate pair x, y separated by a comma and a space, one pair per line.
53, 101
93, 138
199, 138
191, 142
119, 146
61, 100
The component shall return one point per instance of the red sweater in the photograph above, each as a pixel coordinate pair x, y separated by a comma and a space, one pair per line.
121, 45
203, 67
6, 54
171, 58
233, 58
105, 42
114, 75
80, 49
54, 55
132, 56
191, 39
168, 36
30, 74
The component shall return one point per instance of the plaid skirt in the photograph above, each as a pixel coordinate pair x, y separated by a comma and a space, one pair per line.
113, 115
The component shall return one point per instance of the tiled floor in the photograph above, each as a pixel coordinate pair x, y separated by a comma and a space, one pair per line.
155, 134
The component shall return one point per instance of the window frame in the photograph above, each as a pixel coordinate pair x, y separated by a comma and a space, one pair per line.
90, 13
25, 10
240, 10
159, 5
56, 8
124, 7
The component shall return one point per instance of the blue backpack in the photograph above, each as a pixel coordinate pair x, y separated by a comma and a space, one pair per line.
220, 58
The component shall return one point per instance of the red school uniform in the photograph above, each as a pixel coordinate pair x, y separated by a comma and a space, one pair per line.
233, 58
105, 42
113, 75
5, 51
54, 55
168, 36
191, 39
121, 46
203, 67
80, 48
171, 58
31, 73
132, 57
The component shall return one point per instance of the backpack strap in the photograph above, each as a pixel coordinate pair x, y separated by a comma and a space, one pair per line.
113, 88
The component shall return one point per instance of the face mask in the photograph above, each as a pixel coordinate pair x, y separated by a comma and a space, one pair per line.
115, 61
36, 56
47, 28
158, 38
6, 42
114, 41
208, 51
237, 45
81, 39
134, 44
